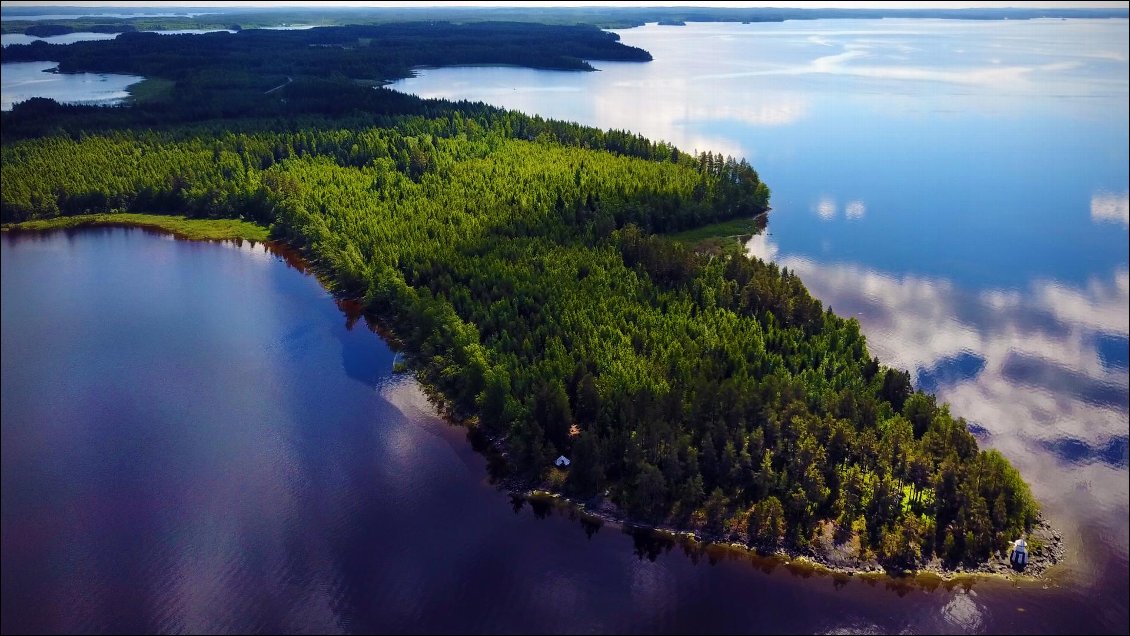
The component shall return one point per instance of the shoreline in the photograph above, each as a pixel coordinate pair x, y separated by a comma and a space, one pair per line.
181, 227
1042, 561
824, 557
1038, 570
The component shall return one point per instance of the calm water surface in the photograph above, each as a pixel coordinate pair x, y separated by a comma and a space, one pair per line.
193, 440
83, 36
67, 38
21, 81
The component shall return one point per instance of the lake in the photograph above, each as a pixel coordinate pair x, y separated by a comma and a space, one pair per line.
85, 36
21, 81
194, 439
8, 39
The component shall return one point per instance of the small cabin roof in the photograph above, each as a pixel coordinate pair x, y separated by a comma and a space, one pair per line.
562, 461
1020, 545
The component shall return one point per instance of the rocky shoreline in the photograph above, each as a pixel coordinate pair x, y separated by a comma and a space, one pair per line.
1046, 546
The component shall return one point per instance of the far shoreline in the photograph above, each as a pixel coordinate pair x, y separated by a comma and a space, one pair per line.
181, 227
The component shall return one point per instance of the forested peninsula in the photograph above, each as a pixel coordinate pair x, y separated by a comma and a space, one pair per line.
521, 263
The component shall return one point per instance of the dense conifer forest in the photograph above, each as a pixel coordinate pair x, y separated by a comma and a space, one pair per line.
522, 264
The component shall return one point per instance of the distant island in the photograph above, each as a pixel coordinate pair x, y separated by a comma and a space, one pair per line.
603, 17
526, 268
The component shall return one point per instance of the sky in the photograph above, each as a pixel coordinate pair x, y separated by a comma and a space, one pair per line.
645, 3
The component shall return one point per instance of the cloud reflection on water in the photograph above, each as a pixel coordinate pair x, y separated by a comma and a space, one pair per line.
826, 208
1031, 368
920, 67
1111, 208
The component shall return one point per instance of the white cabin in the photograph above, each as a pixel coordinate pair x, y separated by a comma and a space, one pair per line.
563, 461
1019, 554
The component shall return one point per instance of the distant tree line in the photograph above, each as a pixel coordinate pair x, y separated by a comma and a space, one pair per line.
326, 72
358, 52
605, 17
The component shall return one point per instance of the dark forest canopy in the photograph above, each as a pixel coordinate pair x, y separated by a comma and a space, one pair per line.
328, 72
358, 52
520, 261
604, 17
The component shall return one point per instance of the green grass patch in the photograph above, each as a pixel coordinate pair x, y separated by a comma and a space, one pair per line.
151, 90
733, 228
193, 229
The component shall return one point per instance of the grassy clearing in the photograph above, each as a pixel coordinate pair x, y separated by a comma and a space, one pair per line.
151, 90
193, 229
726, 229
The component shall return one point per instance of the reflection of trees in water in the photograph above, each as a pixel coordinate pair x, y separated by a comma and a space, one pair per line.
497, 467
648, 544
540, 508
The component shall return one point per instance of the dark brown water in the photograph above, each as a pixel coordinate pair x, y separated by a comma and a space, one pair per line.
193, 440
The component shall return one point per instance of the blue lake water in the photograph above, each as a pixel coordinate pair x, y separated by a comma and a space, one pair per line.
21, 81
68, 38
193, 439
85, 36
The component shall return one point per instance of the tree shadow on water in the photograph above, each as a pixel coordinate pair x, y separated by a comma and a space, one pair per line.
649, 545
590, 525
541, 509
